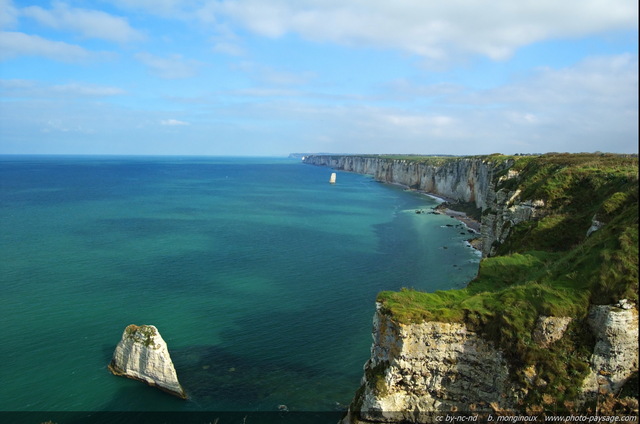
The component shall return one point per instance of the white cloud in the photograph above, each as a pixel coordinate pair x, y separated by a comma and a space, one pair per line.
173, 122
227, 42
435, 30
17, 85
8, 14
579, 108
172, 67
89, 90
270, 75
165, 8
438, 31
597, 82
28, 88
88, 23
227, 47
14, 44
590, 106
417, 122
63, 126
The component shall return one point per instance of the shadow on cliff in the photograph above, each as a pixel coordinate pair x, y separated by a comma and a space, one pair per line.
553, 234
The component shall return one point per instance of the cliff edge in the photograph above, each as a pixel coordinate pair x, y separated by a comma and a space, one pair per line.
550, 323
418, 371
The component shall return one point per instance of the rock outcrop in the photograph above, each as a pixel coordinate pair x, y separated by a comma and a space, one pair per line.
615, 355
504, 210
549, 330
421, 369
416, 370
142, 355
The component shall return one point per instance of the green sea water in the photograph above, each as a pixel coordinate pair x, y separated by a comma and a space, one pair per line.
259, 274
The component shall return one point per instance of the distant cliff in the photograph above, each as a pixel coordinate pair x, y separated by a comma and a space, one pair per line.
470, 180
549, 325
464, 179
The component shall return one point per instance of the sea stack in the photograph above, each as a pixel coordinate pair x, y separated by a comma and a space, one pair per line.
142, 355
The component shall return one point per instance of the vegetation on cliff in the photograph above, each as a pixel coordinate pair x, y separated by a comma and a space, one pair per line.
548, 267
144, 334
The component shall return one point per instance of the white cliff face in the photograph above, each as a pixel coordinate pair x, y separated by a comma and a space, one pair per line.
418, 369
504, 210
615, 356
465, 179
142, 355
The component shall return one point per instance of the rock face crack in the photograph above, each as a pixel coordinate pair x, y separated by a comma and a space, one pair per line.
142, 355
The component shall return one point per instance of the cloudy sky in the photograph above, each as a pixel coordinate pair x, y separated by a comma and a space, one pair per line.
270, 77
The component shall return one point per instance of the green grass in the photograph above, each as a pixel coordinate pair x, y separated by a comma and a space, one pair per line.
548, 267
430, 160
144, 333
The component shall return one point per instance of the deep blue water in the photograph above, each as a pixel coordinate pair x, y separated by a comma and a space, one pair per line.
259, 274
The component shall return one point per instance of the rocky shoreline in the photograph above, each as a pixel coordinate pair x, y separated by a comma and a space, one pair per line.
460, 216
447, 207
471, 224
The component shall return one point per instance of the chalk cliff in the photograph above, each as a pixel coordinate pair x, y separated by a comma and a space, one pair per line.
142, 355
420, 369
472, 180
554, 317
464, 179
615, 355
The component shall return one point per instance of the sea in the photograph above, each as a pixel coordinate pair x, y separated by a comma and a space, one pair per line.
259, 274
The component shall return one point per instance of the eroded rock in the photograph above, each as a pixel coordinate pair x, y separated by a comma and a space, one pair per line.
419, 369
142, 355
549, 330
615, 355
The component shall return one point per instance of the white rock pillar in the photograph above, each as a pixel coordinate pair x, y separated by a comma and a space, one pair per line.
142, 355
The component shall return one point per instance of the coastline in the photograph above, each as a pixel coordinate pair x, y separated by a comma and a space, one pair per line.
473, 225
445, 208
460, 216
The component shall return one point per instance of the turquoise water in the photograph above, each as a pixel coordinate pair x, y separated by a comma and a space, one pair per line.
260, 276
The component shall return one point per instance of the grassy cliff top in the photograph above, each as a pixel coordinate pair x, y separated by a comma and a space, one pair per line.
435, 160
585, 161
548, 266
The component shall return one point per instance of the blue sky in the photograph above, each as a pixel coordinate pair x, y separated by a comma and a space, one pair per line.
270, 77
